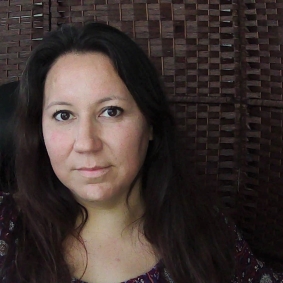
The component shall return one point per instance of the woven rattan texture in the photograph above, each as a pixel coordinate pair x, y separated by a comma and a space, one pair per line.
221, 62
264, 46
22, 24
261, 190
193, 45
261, 199
208, 136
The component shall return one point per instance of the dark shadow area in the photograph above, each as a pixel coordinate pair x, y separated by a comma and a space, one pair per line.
8, 98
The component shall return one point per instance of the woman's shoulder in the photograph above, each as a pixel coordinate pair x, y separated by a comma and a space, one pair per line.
249, 268
8, 217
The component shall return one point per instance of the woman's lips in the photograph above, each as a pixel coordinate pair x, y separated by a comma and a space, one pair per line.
94, 172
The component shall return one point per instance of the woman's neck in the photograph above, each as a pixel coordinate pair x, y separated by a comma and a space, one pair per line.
120, 220
119, 217
113, 239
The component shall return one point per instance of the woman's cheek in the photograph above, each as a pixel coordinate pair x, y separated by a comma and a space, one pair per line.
56, 143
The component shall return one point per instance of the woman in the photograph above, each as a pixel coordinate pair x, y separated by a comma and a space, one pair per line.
100, 194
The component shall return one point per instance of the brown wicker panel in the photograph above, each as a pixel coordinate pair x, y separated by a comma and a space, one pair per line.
212, 42
261, 201
194, 45
208, 136
264, 46
22, 24
260, 191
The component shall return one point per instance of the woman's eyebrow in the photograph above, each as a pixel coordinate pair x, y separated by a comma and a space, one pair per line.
57, 103
104, 99
109, 98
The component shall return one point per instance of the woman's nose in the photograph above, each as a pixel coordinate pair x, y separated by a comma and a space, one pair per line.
87, 137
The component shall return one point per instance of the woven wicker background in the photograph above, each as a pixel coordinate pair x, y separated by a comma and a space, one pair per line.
261, 190
22, 24
221, 61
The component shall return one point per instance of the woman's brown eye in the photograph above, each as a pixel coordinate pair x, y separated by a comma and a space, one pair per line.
65, 116
112, 111
62, 115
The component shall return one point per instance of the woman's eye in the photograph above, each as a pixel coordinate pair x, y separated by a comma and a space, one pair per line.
112, 111
63, 116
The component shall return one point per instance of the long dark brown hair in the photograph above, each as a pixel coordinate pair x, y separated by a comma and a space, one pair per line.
188, 233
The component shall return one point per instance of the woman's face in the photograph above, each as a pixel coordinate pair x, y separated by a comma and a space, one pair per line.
95, 135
